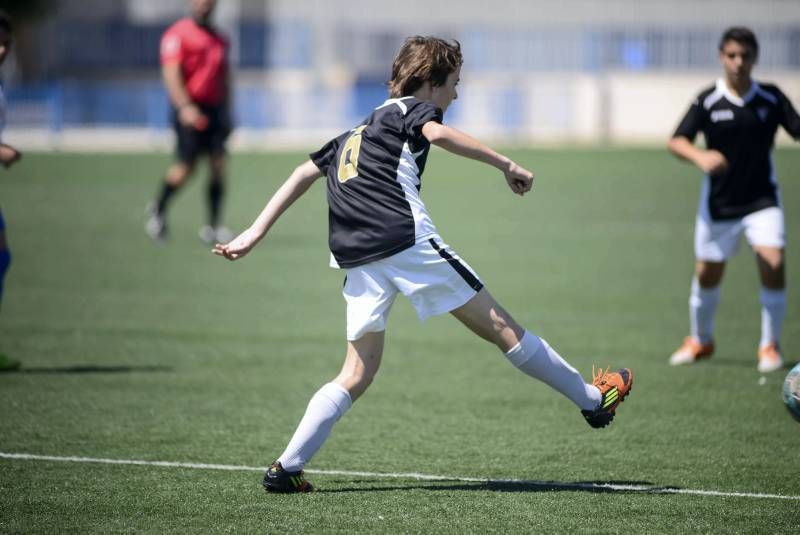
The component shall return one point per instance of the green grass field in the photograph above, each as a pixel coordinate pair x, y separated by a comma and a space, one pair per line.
133, 351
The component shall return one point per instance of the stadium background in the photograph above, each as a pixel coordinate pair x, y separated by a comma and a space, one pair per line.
85, 72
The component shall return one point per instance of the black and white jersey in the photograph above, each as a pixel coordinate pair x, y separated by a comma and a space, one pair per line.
743, 130
374, 177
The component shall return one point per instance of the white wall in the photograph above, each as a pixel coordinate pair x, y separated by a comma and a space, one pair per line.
564, 108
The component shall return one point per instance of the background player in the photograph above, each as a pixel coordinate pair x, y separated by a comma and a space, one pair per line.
382, 235
739, 118
8, 157
197, 77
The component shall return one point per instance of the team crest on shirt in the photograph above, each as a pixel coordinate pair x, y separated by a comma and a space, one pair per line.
762, 113
721, 115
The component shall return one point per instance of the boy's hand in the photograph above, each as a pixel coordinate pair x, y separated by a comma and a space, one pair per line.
236, 248
519, 179
712, 162
9, 155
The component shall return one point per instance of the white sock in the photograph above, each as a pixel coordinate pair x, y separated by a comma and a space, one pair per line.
702, 309
536, 358
773, 309
325, 408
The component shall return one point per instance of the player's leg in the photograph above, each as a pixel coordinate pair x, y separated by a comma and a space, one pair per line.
369, 295
187, 151
526, 351
772, 270
703, 302
714, 244
175, 178
766, 235
214, 231
361, 363
436, 280
326, 407
213, 141
704, 299
535, 357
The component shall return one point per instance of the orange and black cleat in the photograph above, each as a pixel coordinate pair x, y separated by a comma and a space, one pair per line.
276, 479
691, 351
614, 387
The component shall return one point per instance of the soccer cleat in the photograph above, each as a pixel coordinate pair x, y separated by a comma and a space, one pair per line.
769, 358
8, 364
211, 235
156, 225
615, 387
691, 351
276, 479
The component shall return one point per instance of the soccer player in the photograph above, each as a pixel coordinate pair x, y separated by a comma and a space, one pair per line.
197, 77
739, 118
382, 236
8, 157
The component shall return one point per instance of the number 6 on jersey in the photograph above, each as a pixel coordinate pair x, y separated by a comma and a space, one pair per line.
348, 162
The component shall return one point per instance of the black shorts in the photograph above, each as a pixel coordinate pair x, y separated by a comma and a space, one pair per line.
190, 142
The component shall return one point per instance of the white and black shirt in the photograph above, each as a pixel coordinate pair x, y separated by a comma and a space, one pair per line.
374, 177
743, 130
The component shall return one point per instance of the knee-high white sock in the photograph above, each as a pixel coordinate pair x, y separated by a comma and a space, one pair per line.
325, 408
536, 358
773, 309
702, 309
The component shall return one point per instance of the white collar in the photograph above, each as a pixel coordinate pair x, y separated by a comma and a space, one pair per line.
723, 88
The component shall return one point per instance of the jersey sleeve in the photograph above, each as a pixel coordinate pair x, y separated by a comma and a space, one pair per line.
789, 119
171, 49
692, 122
420, 114
324, 157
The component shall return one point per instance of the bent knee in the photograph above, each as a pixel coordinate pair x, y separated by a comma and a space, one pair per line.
355, 383
179, 173
709, 275
774, 264
360, 378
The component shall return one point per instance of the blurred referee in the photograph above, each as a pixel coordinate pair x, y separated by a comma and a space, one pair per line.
194, 65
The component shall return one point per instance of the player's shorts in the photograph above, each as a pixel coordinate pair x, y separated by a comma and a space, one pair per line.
717, 241
430, 274
191, 143
2, 221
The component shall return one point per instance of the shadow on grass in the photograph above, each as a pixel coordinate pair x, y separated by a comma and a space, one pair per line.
90, 369
596, 487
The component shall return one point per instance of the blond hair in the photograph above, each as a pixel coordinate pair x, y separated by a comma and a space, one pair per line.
423, 59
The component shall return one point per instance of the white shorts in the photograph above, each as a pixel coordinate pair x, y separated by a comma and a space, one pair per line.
429, 274
717, 241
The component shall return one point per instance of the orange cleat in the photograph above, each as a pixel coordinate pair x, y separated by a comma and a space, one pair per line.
769, 358
615, 387
691, 351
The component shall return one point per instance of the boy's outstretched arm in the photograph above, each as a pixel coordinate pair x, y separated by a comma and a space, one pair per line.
519, 179
711, 162
291, 190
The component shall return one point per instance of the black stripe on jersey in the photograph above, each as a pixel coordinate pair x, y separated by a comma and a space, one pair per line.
466, 274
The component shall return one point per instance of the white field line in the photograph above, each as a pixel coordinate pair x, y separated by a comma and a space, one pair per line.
550, 485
